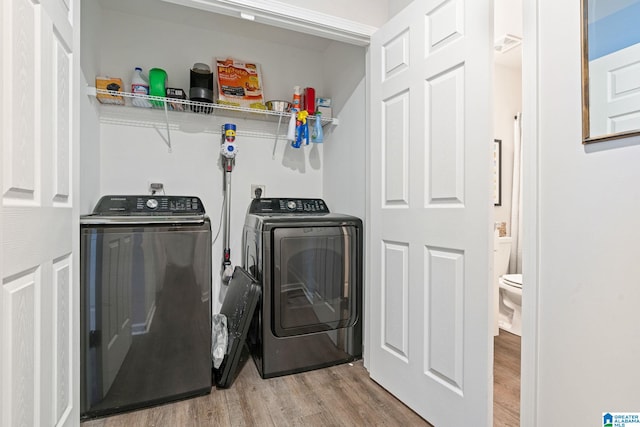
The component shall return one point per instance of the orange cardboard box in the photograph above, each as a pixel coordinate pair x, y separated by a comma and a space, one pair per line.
113, 85
239, 83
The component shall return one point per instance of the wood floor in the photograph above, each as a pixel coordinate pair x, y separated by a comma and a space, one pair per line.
342, 395
506, 380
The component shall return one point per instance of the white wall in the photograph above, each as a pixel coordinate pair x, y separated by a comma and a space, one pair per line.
370, 12
507, 17
89, 154
589, 226
507, 91
89, 124
396, 6
344, 157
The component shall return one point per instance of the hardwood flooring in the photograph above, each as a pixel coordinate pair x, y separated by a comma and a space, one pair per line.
342, 395
506, 380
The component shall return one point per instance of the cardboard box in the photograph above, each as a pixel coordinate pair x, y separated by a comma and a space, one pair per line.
327, 112
239, 83
113, 85
323, 102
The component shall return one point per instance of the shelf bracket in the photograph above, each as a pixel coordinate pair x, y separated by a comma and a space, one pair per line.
167, 139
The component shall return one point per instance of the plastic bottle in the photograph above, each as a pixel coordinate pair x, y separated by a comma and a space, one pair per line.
291, 130
297, 98
310, 100
139, 86
317, 135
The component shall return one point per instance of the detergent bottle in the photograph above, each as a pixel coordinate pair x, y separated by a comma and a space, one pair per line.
139, 86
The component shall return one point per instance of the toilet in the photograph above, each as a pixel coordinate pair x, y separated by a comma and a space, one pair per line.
510, 303
501, 252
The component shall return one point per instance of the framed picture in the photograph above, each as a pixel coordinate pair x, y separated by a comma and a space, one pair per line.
497, 172
610, 65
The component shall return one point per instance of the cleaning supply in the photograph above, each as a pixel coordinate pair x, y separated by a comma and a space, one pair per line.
157, 85
310, 100
297, 98
305, 130
139, 86
291, 130
302, 129
317, 135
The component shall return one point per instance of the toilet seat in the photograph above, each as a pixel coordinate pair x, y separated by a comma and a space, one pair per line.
514, 280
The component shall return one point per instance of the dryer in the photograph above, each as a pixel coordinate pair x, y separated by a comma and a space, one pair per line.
308, 262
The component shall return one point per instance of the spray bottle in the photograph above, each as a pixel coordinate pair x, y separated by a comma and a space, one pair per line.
301, 127
291, 130
317, 135
297, 98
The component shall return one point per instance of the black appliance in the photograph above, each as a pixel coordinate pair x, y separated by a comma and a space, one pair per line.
145, 292
201, 87
239, 305
308, 263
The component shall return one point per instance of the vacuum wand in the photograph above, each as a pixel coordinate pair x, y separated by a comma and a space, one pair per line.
228, 151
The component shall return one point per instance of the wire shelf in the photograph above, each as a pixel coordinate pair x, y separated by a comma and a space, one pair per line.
193, 116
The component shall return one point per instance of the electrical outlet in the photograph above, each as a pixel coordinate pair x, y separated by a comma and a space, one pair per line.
260, 187
156, 187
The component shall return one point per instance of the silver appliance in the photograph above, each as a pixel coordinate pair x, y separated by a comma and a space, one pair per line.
145, 293
308, 263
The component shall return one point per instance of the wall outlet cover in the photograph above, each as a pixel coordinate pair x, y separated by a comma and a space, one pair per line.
255, 187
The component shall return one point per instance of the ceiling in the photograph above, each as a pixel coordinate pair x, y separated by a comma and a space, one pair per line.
508, 21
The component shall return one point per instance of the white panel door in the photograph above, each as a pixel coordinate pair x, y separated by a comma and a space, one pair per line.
38, 296
430, 210
614, 92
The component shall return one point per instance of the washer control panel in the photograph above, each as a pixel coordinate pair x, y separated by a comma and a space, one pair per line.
288, 206
149, 205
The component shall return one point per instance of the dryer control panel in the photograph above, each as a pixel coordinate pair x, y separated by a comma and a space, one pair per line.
288, 206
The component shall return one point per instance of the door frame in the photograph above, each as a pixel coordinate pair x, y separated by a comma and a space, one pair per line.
529, 365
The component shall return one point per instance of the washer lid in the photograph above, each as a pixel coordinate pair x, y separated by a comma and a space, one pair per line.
239, 305
513, 280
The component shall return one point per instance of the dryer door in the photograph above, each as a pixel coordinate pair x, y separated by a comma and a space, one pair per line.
315, 279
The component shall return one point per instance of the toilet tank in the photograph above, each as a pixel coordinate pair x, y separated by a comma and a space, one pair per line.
501, 252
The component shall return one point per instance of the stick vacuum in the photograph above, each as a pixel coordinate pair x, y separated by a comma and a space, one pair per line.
228, 150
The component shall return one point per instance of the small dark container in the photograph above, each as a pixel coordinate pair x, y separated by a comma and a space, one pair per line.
201, 88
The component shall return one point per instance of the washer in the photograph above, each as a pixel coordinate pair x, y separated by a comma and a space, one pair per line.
308, 263
145, 292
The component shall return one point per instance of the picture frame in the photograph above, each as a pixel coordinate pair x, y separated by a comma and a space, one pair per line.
497, 172
610, 70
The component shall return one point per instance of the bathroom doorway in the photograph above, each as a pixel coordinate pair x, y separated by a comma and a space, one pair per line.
508, 102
